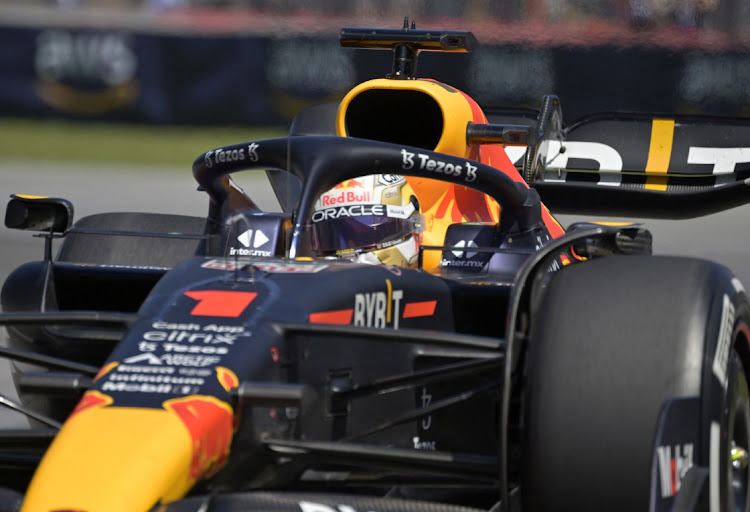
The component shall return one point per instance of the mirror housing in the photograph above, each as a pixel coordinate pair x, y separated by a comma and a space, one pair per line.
38, 213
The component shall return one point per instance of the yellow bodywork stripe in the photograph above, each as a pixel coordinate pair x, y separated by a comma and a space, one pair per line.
659, 153
388, 304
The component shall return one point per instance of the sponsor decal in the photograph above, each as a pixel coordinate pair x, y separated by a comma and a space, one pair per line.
180, 344
152, 338
198, 372
172, 359
242, 251
390, 179
361, 210
674, 463
338, 197
461, 263
252, 154
463, 257
356, 210
159, 384
251, 241
247, 238
276, 267
423, 445
421, 161
376, 309
188, 349
230, 329
400, 212
156, 379
226, 265
390, 193
363, 182
190, 360
129, 267
609, 162
724, 341
289, 267
147, 358
145, 369
467, 244
137, 388
220, 302
227, 155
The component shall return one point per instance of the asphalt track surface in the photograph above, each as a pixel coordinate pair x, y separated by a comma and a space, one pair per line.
721, 237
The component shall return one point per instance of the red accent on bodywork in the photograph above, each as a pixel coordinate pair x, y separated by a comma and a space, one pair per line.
416, 309
337, 317
220, 302
91, 399
745, 330
209, 422
227, 378
105, 370
496, 157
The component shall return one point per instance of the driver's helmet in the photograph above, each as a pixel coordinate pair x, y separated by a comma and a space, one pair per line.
371, 219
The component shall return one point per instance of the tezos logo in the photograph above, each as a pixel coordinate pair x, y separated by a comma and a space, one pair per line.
424, 162
231, 155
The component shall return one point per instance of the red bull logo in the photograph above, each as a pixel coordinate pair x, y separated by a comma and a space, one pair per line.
353, 183
209, 422
344, 197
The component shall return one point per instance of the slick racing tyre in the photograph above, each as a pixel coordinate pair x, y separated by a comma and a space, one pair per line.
636, 389
103, 249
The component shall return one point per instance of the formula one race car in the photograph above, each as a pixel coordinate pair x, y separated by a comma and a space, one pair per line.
412, 331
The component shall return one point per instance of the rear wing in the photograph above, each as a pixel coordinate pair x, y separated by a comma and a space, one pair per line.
622, 164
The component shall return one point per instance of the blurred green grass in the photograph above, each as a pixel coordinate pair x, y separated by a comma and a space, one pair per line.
74, 141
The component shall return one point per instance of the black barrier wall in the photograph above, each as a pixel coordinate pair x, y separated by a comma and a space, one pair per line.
170, 79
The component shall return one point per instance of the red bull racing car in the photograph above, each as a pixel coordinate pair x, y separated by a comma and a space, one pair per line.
413, 330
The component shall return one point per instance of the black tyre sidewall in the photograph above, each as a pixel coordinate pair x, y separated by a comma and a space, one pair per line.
735, 425
613, 341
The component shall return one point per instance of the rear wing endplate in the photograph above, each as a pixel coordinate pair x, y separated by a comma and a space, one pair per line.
625, 164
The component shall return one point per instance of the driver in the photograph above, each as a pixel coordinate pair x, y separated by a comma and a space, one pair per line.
371, 219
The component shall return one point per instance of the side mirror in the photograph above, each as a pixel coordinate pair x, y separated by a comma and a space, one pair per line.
38, 213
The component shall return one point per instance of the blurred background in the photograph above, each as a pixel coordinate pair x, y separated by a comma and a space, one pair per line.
257, 62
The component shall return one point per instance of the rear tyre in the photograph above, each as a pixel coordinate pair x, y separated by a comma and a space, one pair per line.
132, 250
736, 423
614, 342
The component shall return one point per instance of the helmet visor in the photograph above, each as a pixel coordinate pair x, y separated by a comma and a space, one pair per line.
360, 226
